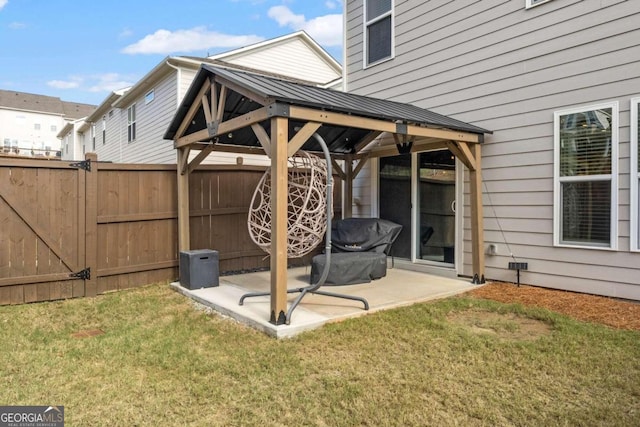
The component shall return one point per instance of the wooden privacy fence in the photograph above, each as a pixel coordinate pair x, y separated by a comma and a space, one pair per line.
73, 229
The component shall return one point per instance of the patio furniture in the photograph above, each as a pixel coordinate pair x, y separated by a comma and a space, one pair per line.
295, 215
359, 249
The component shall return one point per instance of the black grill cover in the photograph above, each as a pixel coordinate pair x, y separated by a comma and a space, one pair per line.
363, 234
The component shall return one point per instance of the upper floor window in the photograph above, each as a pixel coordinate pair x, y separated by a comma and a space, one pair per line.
54, 128
36, 126
378, 28
93, 136
104, 130
635, 175
585, 176
531, 3
131, 123
150, 96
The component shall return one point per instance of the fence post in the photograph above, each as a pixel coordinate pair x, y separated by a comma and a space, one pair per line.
91, 225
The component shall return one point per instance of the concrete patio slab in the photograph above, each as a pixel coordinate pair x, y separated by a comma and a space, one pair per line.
399, 288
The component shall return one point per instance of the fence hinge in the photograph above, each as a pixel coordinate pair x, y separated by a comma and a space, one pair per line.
82, 274
85, 164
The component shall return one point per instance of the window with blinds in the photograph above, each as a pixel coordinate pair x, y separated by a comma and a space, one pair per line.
378, 31
586, 176
635, 175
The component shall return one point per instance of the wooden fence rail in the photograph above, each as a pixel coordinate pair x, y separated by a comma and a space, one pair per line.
73, 229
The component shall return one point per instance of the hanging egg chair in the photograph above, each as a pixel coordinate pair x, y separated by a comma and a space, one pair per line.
306, 206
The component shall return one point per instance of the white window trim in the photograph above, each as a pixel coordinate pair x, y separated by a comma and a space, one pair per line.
557, 202
530, 3
634, 244
365, 39
150, 96
131, 124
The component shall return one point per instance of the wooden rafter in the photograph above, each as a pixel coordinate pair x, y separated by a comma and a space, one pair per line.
462, 151
337, 168
301, 137
183, 162
222, 101
371, 136
361, 162
193, 109
263, 138
255, 116
242, 91
200, 157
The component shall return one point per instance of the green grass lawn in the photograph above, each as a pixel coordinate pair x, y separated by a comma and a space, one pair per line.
162, 362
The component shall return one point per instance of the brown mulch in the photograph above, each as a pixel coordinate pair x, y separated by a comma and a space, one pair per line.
609, 311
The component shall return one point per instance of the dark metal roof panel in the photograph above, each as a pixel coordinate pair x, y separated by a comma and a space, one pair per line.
344, 102
298, 94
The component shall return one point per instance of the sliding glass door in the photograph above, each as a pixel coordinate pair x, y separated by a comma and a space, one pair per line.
418, 191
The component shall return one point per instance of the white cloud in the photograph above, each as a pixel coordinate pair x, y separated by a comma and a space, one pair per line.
326, 29
17, 25
330, 4
72, 83
3, 3
106, 82
198, 38
125, 33
286, 18
110, 82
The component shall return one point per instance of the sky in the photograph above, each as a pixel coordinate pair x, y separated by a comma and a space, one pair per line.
81, 50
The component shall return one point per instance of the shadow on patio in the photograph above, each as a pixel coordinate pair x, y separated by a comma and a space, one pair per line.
398, 288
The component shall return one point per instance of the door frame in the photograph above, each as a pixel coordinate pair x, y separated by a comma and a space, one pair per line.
415, 263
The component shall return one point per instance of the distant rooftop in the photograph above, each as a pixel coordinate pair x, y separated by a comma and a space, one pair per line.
44, 104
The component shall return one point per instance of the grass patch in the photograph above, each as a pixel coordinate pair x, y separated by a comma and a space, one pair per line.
162, 362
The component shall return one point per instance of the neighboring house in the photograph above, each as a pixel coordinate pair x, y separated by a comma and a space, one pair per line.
558, 83
72, 139
129, 125
29, 123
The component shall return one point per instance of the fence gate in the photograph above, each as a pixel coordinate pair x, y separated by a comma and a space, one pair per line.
42, 230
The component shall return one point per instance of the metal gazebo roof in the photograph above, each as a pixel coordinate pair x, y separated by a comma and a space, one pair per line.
271, 90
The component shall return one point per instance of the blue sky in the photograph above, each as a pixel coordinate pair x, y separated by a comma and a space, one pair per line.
81, 50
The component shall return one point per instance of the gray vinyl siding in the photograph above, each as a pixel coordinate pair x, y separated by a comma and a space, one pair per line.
151, 122
500, 66
108, 149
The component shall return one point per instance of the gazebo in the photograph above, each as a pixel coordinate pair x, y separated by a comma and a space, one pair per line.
243, 112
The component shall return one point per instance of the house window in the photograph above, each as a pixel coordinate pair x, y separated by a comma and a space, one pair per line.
378, 28
532, 3
36, 126
585, 176
131, 123
54, 128
93, 136
150, 96
635, 175
104, 130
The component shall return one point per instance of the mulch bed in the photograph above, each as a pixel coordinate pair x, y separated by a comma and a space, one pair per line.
609, 311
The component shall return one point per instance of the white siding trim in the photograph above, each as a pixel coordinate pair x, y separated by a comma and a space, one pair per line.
634, 176
614, 175
532, 3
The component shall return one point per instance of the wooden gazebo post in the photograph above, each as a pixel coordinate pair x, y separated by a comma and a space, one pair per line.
279, 188
183, 200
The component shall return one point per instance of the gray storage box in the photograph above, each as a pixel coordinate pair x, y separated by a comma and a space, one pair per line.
199, 269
